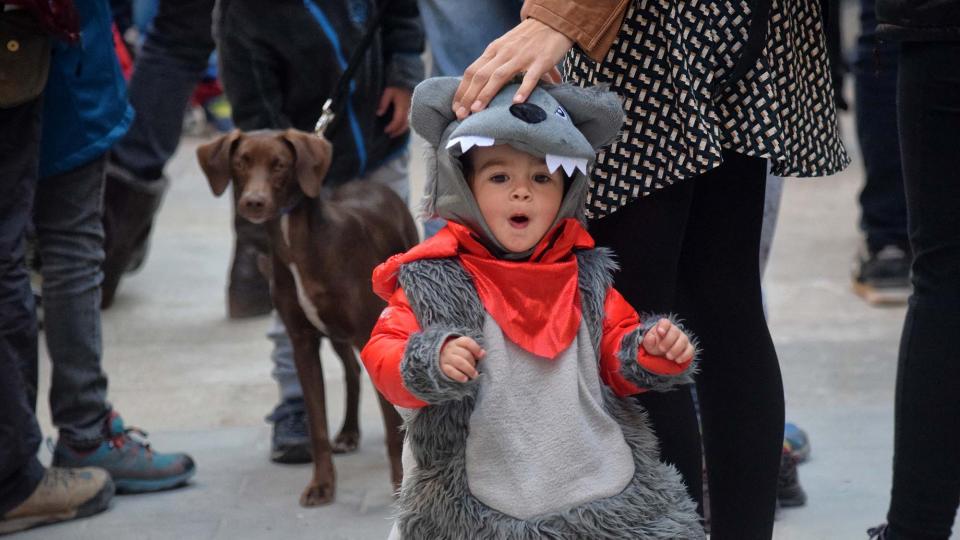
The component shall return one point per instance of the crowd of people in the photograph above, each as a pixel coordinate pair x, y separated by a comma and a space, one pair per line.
685, 117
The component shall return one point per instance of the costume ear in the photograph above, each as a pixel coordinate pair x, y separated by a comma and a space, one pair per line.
312, 154
596, 111
214, 158
430, 113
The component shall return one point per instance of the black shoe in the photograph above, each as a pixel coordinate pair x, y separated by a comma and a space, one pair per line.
882, 277
789, 491
879, 532
290, 442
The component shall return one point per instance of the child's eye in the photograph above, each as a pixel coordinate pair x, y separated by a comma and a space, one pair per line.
542, 179
498, 178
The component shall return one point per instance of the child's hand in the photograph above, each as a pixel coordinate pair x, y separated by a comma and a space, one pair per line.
458, 358
399, 98
667, 340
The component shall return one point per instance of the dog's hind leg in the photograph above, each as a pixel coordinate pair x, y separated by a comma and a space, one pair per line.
394, 438
349, 437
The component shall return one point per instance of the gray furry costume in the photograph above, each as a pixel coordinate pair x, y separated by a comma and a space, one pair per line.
537, 446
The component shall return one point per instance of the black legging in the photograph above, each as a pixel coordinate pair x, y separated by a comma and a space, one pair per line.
692, 249
926, 466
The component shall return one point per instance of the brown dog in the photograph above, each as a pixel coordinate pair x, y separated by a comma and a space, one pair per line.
325, 248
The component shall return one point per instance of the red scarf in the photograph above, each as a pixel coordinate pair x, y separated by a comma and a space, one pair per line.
536, 302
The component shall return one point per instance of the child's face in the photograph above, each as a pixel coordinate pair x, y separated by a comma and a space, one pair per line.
517, 195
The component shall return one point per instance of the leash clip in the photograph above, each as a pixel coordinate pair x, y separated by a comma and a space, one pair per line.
326, 118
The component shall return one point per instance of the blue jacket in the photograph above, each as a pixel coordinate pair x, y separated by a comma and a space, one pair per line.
85, 108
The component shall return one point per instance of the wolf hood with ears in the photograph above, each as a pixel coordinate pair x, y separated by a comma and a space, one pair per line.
544, 443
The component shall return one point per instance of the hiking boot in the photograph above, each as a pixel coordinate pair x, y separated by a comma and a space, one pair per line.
134, 466
796, 441
129, 205
882, 277
789, 491
62, 494
248, 294
290, 442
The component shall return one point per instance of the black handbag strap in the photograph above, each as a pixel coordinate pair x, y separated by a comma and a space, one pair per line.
341, 91
756, 41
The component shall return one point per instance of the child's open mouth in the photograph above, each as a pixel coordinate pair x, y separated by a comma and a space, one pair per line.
519, 221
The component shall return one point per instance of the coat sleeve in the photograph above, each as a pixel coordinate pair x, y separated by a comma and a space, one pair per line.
625, 366
383, 354
403, 43
404, 360
591, 24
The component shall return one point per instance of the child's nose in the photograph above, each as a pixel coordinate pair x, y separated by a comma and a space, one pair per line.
520, 194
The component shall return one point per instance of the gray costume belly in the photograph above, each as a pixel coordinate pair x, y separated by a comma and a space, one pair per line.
540, 439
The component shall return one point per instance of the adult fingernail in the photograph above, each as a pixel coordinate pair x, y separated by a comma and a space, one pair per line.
518, 97
462, 113
477, 105
456, 105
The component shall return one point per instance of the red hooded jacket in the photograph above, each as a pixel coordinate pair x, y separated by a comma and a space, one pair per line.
535, 302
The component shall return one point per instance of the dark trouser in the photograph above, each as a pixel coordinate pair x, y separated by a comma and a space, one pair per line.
20, 471
926, 466
168, 67
67, 217
883, 206
692, 249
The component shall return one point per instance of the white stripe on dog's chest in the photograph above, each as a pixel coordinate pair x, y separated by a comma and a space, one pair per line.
308, 307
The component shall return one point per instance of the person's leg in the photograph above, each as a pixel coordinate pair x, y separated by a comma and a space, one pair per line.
882, 271
70, 238
171, 61
457, 40
20, 471
646, 237
926, 472
739, 385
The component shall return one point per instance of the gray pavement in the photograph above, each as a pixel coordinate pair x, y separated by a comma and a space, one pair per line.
201, 384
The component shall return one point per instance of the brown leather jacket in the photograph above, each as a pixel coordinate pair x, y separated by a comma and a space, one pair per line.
591, 24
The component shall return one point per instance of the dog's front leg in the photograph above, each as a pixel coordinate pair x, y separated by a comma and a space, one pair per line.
306, 354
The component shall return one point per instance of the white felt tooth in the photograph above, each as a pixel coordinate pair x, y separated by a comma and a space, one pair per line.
582, 165
469, 141
553, 162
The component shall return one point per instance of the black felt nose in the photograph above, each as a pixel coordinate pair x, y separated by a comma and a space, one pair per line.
528, 112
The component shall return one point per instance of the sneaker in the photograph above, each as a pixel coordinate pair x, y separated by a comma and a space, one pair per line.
134, 466
789, 491
62, 494
796, 441
883, 277
290, 442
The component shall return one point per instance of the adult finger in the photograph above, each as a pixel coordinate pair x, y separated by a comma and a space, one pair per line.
530, 80
463, 89
385, 99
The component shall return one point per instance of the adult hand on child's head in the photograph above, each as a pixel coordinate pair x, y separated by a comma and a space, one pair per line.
400, 99
667, 340
458, 358
531, 48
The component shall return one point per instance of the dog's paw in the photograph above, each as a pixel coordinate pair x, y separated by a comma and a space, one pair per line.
346, 442
316, 495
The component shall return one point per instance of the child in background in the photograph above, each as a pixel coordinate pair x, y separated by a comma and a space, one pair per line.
507, 349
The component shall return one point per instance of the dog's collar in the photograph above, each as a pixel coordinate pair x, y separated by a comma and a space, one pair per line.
297, 199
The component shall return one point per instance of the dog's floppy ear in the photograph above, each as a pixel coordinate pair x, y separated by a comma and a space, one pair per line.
312, 153
596, 111
430, 113
214, 158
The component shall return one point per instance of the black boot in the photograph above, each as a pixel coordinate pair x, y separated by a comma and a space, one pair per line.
248, 294
129, 205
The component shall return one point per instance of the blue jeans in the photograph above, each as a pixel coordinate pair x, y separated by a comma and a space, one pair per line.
20, 471
457, 40
394, 174
883, 204
171, 61
67, 218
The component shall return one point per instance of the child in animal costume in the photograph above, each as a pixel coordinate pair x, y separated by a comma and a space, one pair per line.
505, 346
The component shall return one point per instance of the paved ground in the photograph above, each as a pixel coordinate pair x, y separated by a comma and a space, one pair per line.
200, 383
